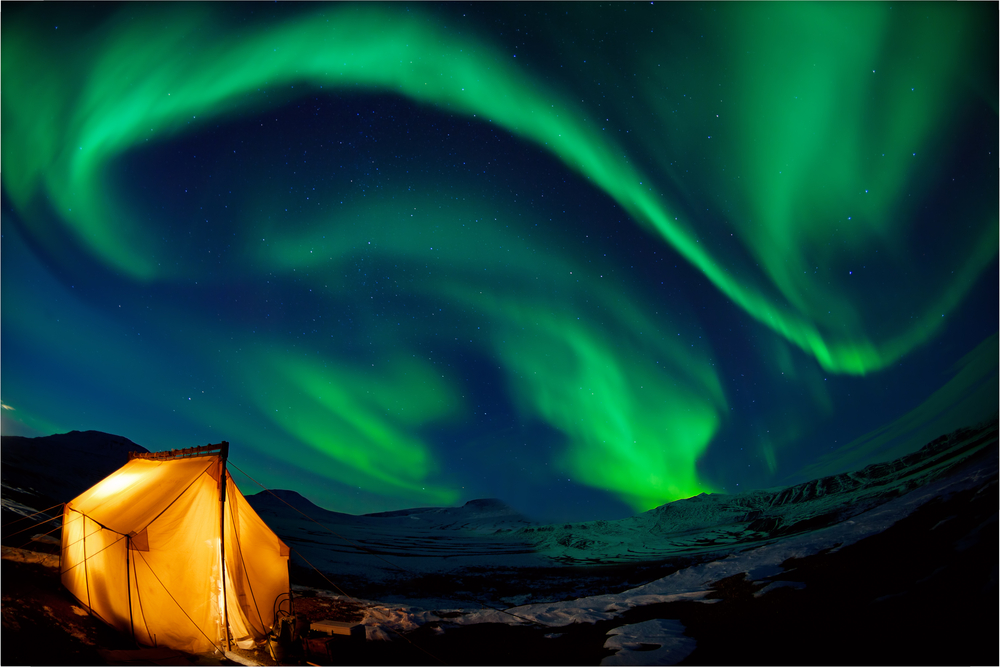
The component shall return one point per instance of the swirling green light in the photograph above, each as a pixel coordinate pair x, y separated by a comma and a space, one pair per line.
637, 407
138, 89
815, 156
360, 422
635, 431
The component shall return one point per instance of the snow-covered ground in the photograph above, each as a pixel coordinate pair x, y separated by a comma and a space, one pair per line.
655, 642
752, 533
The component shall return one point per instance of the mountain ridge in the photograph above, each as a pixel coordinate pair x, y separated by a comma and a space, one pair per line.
57, 468
69, 463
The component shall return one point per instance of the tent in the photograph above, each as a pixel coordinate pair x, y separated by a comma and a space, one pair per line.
163, 551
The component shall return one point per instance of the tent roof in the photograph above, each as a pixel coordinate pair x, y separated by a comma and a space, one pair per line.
131, 498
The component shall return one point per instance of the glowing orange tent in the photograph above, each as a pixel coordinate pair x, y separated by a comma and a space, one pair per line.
143, 550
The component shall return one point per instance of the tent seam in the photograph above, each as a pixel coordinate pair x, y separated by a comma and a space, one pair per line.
138, 598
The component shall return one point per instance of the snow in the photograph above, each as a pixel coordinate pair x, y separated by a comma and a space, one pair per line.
582, 610
384, 623
468, 542
753, 532
655, 642
779, 584
19, 508
382, 547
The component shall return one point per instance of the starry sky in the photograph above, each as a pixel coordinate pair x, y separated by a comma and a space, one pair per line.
585, 258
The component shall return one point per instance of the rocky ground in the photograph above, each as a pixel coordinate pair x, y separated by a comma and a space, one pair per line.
924, 592
41, 622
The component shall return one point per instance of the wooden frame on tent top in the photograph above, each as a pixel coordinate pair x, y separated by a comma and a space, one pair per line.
206, 450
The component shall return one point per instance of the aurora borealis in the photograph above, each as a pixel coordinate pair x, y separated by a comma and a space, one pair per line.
587, 258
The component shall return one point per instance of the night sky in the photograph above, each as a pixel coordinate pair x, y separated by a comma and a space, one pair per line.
585, 258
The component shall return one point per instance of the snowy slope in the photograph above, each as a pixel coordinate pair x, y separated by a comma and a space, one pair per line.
489, 533
709, 523
460, 559
965, 463
357, 552
480, 516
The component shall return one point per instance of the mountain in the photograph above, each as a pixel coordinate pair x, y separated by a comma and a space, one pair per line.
695, 526
286, 503
488, 534
486, 515
57, 468
713, 522
485, 550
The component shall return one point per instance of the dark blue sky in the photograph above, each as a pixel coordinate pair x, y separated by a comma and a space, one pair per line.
584, 258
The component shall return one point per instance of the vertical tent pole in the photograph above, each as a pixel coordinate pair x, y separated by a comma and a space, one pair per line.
224, 454
86, 563
128, 587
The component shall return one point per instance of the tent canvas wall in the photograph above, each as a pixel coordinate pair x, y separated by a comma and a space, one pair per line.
143, 550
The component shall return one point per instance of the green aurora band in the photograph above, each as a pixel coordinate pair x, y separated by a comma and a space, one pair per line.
637, 407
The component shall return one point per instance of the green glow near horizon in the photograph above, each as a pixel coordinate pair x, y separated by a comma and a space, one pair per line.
636, 415
814, 158
632, 432
359, 421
